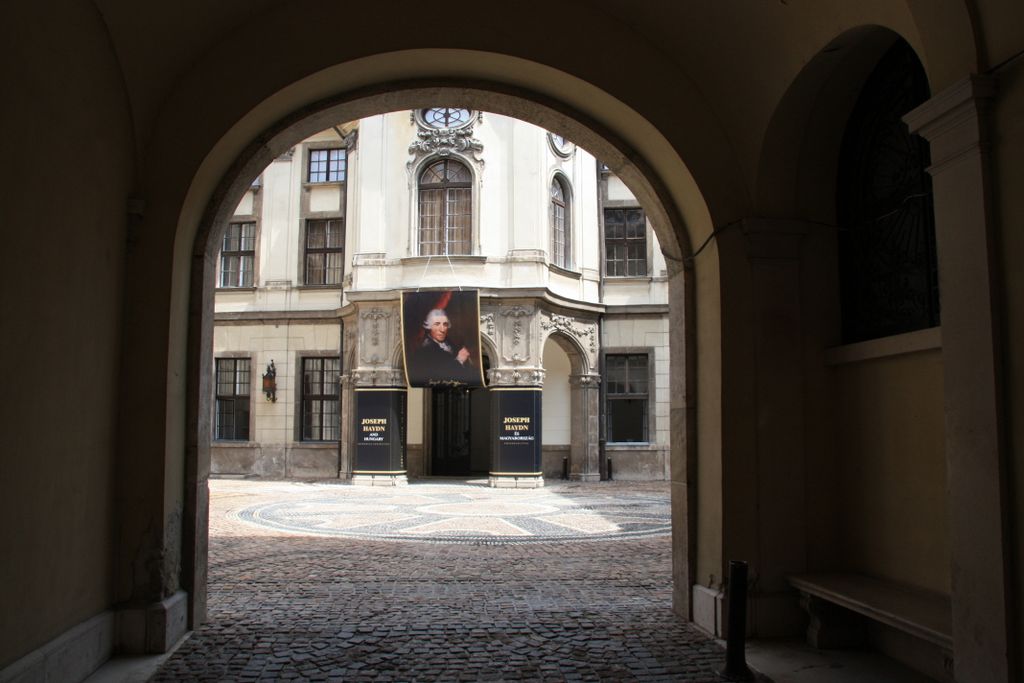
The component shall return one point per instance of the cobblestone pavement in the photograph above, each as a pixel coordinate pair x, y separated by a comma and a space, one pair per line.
291, 605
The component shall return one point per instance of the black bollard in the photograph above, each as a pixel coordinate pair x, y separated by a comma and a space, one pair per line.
609, 469
565, 467
736, 641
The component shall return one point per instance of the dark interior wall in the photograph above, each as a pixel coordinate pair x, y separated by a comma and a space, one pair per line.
63, 214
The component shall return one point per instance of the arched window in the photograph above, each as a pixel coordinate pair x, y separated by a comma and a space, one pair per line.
446, 209
887, 262
561, 242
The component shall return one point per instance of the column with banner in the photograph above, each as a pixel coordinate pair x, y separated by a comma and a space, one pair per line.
516, 437
379, 429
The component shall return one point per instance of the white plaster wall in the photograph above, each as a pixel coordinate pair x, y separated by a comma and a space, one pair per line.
512, 204
555, 400
285, 344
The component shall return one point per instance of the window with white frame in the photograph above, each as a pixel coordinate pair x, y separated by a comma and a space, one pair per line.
445, 209
238, 255
327, 165
561, 233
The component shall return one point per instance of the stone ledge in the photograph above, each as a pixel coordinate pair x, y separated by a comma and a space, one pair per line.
71, 656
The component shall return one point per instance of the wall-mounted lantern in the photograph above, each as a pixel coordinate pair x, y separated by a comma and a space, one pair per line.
270, 382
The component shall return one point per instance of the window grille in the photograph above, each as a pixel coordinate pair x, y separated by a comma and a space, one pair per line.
231, 421
320, 417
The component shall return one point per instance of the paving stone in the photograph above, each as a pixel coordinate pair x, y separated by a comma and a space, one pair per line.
298, 605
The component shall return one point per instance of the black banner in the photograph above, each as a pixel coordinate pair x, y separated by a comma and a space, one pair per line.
379, 431
441, 338
516, 430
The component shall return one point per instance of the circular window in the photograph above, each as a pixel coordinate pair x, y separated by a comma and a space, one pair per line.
446, 117
560, 145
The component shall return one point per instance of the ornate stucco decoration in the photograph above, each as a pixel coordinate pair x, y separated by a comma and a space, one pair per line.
585, 380
487, 324
375, 332
516, 377
516, 314
442, 143
377, 377
585, 333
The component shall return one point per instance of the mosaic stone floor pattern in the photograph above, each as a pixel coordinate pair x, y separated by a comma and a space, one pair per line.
462, 513
293, 604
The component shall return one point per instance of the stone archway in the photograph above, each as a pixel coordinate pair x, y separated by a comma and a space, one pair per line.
664, 216
584, 399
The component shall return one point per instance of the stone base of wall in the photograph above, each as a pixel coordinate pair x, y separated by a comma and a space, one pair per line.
709, 610
414, 465
71, 656
551, 461
299, 460
155, 628
639, 463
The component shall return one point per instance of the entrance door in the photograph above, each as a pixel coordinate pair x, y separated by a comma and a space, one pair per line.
459, 431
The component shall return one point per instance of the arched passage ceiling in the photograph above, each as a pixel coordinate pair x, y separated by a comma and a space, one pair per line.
703, 77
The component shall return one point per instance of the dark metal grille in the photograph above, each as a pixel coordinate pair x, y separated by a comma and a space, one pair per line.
625, 243
446, 209
627, 382
238, 255
887, 261
560, 243
320, 416
325, 251
231, 421
327, 165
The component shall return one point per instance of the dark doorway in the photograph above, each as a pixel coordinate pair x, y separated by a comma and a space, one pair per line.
459, 429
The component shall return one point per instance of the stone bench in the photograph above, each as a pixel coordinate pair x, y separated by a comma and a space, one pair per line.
838, 603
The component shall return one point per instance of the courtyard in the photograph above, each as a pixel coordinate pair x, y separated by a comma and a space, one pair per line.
441, 580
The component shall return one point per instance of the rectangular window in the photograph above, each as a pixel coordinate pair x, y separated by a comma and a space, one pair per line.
626, 397
231, 422
320, 399
238, 255
625, 243
326, 166
325, 250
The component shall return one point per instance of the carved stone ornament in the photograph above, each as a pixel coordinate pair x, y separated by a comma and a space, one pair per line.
443, 143
487, 324
375, 336
517, 313
569, 326
377, 377
533, 377
586, 381
374, 316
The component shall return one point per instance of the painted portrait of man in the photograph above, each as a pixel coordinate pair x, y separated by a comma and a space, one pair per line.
441, 338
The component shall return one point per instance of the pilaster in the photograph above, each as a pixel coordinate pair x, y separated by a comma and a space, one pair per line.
584, 454
955, 124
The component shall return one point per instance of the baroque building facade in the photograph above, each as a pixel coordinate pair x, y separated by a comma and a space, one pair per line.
572, 304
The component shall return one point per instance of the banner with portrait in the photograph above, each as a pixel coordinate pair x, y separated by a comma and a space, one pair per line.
441, 338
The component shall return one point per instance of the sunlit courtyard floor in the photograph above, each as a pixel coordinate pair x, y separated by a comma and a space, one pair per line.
441, 580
